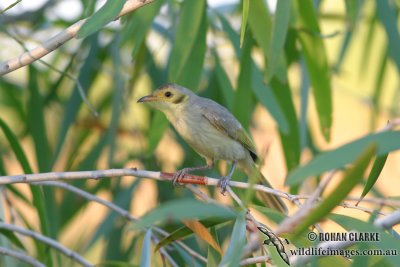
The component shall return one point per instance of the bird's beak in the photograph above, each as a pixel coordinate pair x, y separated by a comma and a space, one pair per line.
147, 98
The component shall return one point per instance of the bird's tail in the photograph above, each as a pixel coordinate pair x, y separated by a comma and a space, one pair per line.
270, 200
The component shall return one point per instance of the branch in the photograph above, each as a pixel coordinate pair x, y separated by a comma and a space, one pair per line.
164, 176
58, 40
51, 242
123, 213
382, 223
21, 257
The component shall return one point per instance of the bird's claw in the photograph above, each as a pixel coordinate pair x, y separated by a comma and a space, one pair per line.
223, 183
178, 176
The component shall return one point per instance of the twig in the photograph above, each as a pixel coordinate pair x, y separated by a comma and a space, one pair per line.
382, 223
254, 240
51, 242
254, 260
122, 212
290, 222
162, 176
53, 43
21, 257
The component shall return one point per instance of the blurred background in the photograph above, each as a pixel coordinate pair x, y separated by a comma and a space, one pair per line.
323, 79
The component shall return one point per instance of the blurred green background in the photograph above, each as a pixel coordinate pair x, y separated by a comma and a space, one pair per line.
301, 76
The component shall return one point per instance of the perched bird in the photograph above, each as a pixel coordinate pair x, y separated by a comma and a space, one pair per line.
212, 131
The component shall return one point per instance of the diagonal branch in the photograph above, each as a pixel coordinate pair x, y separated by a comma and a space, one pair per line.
51, 242
58, 40
21, 257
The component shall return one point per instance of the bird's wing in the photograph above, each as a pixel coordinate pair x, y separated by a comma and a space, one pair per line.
226, 123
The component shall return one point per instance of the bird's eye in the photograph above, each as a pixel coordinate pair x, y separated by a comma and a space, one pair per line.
168, 94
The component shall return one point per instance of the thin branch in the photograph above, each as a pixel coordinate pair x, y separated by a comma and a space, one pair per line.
53, 43
120, 211
254, 260
21, 257
78, 84
51, 242
290, 222
382, 223
163, 176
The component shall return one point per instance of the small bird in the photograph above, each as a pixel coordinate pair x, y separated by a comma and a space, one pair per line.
212, 131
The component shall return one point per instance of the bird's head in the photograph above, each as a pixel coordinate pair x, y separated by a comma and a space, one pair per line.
168, 97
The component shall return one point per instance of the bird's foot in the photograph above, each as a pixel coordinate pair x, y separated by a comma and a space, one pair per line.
178, 176
223, 183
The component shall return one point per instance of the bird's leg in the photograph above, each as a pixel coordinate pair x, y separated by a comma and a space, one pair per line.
224, 181
181, 173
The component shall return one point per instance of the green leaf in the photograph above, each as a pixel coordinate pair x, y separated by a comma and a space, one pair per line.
213, 256
260, 24
37, 194
278, 38
12, 238
353, 9
244, 100
108, 12
268, 99
184, 231
145, 259
276, 257
159, 124
189, 25
191, 74
234, 253
224, 83
386, 11
36, 123
182, 209
376, 170
386, 241
245, 13
138, 25
350, 179
290, 140
87, 75
318, 67
16, 147
339, 157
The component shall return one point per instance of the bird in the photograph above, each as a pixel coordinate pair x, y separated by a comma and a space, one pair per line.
213, 132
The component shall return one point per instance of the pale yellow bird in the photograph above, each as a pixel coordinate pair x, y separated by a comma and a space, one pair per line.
212, 131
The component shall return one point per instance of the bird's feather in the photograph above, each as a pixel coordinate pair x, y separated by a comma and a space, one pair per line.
222, 120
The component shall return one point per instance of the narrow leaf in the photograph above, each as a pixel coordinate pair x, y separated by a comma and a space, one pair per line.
350, 179
159, 124
339, 157
318, 67
376, 170
201, 231
279, 31
260, 24
213, 256
145, 259
182, 209
184, 231
245, 13
189, 25
98, 20
386, 11
236, 245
